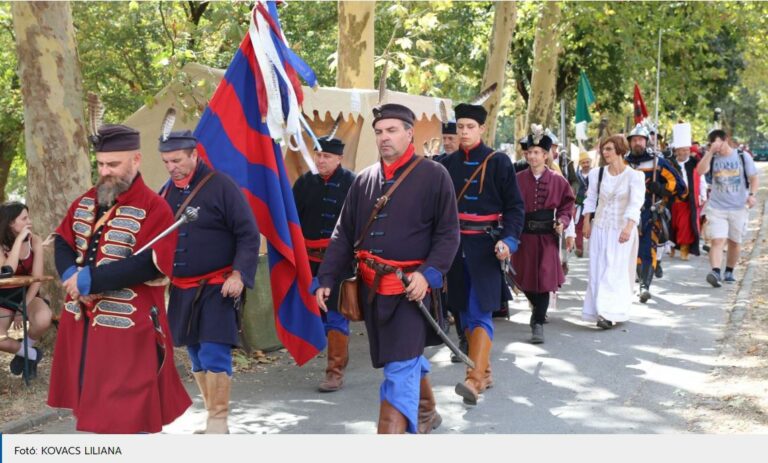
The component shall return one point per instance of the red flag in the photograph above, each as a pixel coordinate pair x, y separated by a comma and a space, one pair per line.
640, 111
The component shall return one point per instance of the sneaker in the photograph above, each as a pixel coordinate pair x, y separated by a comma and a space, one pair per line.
645, 294
714, 279
604, 324
728, 277
17, 364
537, 334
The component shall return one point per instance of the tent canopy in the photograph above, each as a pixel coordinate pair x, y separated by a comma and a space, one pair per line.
321, 108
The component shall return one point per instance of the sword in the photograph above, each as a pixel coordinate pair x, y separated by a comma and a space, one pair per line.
509, 272
425, 311
506, 265
190, 215
159, 337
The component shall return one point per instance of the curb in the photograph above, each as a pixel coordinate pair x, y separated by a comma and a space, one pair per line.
743, 298
27, 423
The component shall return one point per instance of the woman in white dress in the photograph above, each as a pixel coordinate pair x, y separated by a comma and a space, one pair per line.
613, 239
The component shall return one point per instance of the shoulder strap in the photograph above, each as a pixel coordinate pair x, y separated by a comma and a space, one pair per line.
744, 168
480, 168
192, 194
166, 187
599, 181
382, 201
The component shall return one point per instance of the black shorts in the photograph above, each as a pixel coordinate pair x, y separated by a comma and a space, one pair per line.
10, 299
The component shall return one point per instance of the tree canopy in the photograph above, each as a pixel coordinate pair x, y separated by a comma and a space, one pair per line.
713, 55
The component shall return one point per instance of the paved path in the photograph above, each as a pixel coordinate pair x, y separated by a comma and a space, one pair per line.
636, 378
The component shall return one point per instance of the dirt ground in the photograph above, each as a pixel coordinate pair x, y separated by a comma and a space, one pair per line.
18, 400
737, 401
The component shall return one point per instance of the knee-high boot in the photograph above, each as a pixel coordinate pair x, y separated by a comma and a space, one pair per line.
203, 386
429, 419
218, 385
391, 421
338, 357
475, 381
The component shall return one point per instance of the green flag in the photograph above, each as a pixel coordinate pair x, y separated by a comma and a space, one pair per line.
584, 98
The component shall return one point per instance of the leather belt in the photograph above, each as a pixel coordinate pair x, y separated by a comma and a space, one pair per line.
538, 227
466, 225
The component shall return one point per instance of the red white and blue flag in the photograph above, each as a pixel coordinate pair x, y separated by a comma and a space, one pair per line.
234, 137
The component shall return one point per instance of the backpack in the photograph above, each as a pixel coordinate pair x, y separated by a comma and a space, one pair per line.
708, 176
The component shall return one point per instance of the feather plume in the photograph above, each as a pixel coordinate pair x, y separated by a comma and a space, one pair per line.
537, 133
484, 95
95, 113
168, 120
336, 126
443, 111
435, 145
383, 81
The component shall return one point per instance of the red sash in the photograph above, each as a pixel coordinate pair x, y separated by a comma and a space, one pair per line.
477, 218
388, 283
217, 277
316, 248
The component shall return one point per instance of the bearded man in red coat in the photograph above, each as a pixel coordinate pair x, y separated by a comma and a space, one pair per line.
113, 360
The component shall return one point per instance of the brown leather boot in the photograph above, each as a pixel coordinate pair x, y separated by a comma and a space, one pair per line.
684, 251
475, 381
203, 386
391, 421
429, 419
338, 357
218, 385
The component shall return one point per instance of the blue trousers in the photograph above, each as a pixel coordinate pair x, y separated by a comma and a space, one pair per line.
472, 316
211, 356
402, 385
333, 320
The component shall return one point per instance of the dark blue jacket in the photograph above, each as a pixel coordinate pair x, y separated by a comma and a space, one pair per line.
224, 234
500, 194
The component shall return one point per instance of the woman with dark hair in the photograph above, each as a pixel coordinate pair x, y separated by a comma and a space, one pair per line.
22, 251
615, 196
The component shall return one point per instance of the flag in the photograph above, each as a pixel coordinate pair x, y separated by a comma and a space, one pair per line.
584, 98
234, 138
640, 111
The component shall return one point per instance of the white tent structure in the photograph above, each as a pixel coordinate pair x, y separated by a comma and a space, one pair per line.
321, 108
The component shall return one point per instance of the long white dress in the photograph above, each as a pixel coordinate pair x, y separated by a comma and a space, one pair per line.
612, 264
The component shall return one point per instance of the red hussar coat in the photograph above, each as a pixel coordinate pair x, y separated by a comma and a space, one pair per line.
110, 365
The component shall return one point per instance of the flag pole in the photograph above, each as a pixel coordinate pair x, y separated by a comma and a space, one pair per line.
658, 80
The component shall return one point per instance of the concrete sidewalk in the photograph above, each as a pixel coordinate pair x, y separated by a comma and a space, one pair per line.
636, 378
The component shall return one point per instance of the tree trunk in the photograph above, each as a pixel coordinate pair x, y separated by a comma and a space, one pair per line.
58, 169
7, 154
520, 128
354, 66
496, 63
546, 48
